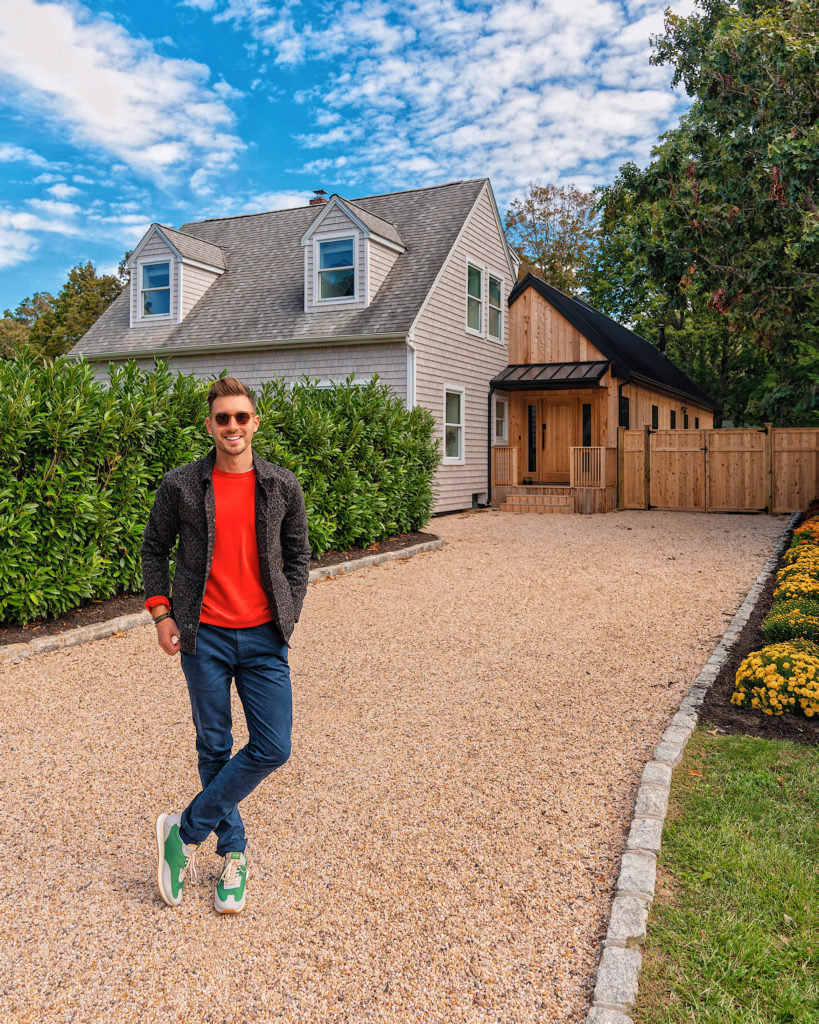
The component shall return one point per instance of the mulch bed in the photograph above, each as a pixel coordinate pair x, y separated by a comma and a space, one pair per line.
717, 709
125, 604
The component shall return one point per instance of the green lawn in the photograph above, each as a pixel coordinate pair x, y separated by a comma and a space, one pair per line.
733, 936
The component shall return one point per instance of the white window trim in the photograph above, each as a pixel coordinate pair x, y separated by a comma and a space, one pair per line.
345, 300
494, 337
482, 270
456, 390
155, 318
502, 439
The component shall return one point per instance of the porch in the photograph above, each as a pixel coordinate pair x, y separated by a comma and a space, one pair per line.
555, 419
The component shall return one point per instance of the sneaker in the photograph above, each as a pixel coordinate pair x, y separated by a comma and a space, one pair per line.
230, 889
174, 859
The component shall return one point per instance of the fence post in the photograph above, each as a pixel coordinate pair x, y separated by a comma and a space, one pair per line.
621, 467
769, 468
647, 466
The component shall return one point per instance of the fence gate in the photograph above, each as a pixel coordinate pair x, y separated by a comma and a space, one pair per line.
736, 470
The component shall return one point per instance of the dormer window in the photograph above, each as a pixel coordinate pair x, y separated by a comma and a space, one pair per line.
156, 289
336, 268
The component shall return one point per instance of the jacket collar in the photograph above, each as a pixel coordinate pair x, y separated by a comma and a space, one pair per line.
264, 469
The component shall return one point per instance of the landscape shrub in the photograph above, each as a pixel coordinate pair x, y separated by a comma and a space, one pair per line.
781, 677
82, 459
790, 620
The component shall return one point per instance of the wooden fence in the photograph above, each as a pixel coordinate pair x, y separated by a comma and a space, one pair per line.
770, 469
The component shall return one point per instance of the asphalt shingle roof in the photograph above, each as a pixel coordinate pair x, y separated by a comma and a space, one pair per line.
631, 356
260, 298
192, 248
377, 225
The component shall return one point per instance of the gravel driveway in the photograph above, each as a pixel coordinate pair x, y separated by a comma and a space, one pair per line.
470, 730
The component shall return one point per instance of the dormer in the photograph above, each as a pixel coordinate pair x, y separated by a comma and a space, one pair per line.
348, 253
170, 272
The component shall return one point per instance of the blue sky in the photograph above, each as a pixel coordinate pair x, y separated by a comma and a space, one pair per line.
113, 115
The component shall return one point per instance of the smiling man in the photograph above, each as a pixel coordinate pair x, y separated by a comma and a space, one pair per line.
241, 576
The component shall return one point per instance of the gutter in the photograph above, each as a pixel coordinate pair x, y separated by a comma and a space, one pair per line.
489, 446
241, 346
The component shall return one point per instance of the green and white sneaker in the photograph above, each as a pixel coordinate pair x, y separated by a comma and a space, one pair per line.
174, 859
230, 889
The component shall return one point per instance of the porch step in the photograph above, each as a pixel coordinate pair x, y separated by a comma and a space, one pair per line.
540, 489
538, 499
566, 509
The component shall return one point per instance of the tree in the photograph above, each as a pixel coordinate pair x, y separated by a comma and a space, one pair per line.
16, 325
724, 220
552, 228
50, 327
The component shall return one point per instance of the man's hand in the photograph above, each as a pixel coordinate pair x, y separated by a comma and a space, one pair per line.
167, 632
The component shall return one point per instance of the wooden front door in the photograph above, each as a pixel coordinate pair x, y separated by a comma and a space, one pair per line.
552, 429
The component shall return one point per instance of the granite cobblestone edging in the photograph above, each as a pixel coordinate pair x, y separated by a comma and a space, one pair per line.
616, 986
71, 637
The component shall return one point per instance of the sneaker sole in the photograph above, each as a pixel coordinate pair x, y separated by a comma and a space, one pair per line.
160, 859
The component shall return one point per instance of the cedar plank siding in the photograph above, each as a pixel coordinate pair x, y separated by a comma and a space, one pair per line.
336, 222
155, 251
539, 334
195, 282
447, 355
336, 362
381, 260
641, 399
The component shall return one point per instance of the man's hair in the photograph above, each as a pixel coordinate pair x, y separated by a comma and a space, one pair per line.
229, 386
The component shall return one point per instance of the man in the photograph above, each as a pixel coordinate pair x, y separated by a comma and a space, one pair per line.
241, 576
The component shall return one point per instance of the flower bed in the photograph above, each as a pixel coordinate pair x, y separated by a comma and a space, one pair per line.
783, 677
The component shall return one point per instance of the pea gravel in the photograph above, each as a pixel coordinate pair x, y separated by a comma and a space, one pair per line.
470, 730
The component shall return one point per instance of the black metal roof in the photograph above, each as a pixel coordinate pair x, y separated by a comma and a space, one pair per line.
631, 356
532, 376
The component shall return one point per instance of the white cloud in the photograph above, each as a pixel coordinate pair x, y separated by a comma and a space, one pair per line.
114, 91
63, 191
15, 246
432, 89
10, 153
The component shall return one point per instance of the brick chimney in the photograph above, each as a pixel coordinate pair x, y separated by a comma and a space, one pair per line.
318, 197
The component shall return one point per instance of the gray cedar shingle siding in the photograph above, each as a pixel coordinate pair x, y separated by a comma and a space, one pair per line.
260, 299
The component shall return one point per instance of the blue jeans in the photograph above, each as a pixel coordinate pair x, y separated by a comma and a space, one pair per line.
257, 659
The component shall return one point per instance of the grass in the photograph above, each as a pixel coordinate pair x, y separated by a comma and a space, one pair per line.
734, 931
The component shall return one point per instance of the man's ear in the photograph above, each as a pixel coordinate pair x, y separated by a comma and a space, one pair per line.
209, 425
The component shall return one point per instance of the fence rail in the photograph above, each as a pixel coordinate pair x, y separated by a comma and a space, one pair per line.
774, 469
587, 467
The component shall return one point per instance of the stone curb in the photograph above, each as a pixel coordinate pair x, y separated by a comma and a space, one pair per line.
617, 980
71, 637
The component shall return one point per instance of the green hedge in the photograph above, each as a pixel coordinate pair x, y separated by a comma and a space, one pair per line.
80, 462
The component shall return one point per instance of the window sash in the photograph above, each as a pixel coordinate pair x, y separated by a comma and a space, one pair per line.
156, 289
495, 312
501, 411
336, 269
474, 298
453, 425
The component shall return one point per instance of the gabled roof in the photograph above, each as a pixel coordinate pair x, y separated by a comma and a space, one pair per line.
631, 356
186, 247
260, 300
370, 224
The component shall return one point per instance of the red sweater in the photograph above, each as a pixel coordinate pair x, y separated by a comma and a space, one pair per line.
234, 596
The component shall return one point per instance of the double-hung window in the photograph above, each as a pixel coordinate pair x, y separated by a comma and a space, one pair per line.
474, 298
156, 289
336, 269
495, 310
453, 425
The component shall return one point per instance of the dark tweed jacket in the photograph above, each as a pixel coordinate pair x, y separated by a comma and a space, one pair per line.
184, 507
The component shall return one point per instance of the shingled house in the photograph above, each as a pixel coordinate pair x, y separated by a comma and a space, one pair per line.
410, 286
574, 377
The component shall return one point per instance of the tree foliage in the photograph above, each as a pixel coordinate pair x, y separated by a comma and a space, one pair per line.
721, 230
552, 229
49, 326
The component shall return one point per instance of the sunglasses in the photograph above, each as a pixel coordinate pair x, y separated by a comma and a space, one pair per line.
223, 418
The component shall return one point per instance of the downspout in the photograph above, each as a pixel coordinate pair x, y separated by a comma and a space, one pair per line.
410, 372
489, 447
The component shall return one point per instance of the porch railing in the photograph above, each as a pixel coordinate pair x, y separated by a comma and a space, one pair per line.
587, 467
505, 468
